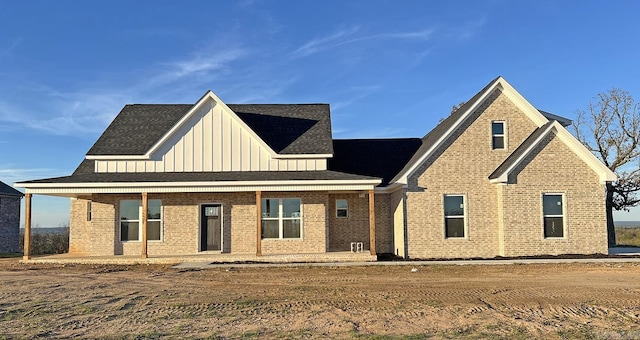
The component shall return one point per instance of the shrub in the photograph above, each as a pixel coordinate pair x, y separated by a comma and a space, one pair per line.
43, 242
628, 236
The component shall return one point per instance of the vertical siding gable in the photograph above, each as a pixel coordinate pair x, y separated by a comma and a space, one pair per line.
213, 139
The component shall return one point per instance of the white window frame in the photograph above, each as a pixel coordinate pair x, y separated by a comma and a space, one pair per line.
463, 217
280, 218
563, 215
346, 210
503, 135
139, 220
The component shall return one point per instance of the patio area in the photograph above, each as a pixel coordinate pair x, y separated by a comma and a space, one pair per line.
211, 258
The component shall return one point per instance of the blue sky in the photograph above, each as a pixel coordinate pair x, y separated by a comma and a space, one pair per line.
388, 68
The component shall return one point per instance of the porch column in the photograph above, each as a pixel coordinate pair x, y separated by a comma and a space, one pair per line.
27, 227
145, 206
372, 223
259, 223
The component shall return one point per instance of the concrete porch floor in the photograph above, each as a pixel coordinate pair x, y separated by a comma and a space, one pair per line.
329, 257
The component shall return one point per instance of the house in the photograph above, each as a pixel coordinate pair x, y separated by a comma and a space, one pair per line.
9, 219
498, 177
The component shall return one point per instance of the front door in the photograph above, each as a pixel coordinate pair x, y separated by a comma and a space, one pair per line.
211, 227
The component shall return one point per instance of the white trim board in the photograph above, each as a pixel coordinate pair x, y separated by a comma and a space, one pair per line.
573, 144
532, 113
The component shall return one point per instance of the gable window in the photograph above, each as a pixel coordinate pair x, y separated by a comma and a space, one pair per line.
498, 141
342, 208
454, 219
553, 214
281, 218
131, 217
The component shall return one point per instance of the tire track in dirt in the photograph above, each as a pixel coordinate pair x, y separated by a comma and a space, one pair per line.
81, 302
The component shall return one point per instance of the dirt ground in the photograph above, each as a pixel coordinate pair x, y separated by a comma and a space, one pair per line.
379, 302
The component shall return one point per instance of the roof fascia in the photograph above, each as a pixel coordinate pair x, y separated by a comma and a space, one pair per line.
196, 184
390, 188
12, 196
301, 156
538, 118
147, 157
76, 190
116, 157
508, 90
564, 121
604, 173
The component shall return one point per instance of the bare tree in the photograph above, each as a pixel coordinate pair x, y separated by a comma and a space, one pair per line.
610, 128
455, 108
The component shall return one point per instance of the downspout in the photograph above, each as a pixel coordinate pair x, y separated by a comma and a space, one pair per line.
404, 223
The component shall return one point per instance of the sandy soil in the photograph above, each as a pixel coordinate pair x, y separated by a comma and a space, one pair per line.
502, 301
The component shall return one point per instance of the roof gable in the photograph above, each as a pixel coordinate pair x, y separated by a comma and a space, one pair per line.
140, 130
6, 190
436, 137
501, 174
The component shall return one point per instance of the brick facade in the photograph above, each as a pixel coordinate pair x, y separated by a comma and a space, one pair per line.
554, 168
181, 224
9, 224
501, 219
79, 227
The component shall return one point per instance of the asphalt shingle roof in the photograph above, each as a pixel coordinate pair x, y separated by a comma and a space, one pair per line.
202, 177
7, 190
137, 127
287, 128
382, 158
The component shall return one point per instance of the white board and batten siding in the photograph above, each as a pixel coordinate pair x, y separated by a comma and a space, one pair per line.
213, 139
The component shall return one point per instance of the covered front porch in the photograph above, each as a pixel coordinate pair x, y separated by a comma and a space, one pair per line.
331, 257
171, 225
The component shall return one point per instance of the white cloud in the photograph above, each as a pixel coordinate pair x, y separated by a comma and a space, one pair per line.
467, 30
11, 175
202, 64
320, 44
355, 94
89, 111
259, 92
349, 36
73, 113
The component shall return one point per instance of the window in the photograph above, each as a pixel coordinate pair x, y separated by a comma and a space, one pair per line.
281, 218
498, 135
342, 208
553, 215
454, 221
131, 217
89, 210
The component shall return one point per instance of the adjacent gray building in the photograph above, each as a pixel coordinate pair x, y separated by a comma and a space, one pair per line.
9, 218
